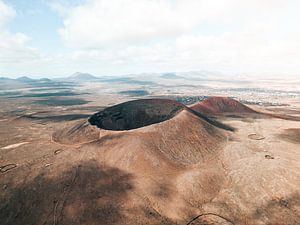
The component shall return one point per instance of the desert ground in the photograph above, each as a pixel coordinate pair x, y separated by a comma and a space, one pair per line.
127, 151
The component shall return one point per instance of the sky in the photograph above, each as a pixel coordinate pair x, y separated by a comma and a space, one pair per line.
54, 38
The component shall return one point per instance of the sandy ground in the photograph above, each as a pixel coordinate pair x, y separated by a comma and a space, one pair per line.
159, 174
264, 173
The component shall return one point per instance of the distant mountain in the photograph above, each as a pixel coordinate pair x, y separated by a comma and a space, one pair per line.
29, 80
4, 78
171, 76
25, 79
82, 76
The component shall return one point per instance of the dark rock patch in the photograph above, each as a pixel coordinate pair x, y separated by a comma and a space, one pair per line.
136, 114
291, 135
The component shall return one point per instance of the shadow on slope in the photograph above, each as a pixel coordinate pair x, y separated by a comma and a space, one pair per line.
83, 194
291, 135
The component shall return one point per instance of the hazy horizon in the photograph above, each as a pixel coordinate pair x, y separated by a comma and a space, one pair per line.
212, 74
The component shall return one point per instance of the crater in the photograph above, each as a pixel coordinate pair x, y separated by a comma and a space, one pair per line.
135, 114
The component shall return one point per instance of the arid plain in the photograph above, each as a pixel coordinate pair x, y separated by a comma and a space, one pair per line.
157, 149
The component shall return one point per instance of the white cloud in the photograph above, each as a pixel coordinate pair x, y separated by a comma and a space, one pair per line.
229, 35
100, 23
6, 13
132, 36
13, 48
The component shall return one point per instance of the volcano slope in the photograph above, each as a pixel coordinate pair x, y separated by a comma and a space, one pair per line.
218, 106
178, 167
163, 125
222, 106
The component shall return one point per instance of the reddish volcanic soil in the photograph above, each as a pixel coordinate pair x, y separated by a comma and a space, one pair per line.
221, 105
151, 162
225, 106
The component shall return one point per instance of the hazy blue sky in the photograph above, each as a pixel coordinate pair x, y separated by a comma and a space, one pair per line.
107, 37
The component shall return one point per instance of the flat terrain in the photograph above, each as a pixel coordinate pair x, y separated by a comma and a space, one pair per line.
180, 168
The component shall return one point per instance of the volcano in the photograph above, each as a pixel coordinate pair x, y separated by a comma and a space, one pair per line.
165, 126
161, 142
221, 105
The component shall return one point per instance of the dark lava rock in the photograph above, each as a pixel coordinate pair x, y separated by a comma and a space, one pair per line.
136, 114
